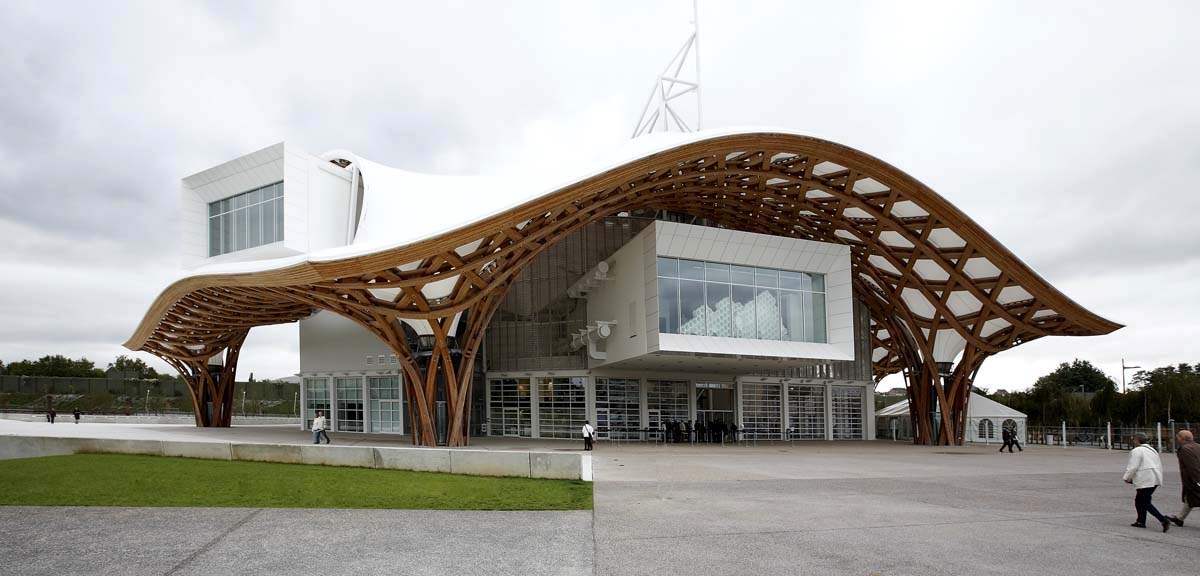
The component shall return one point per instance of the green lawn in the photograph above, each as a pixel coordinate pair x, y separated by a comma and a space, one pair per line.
121, 480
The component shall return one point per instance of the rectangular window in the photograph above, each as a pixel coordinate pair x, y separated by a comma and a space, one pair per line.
562, 407
806, 412
385, 404
510, 408
247, 220
691, 307
847, 413
720, 309
618, 408
762, 411
349, 404
668, 305
316, 397
724, 300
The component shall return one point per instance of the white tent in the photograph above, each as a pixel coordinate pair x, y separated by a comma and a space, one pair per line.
985, 419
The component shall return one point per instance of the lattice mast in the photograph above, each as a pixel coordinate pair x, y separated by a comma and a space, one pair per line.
659, 113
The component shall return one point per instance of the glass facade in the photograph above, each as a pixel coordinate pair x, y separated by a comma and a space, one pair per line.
316, 395
762, 411
667, 400
349, 404
806, 412
386, 404
562, 407
714, 299
247, 220
618, 408
847, 413
510, 410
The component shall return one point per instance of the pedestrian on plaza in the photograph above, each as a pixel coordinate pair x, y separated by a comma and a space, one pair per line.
319, 424
687, 428
1009, 438
76, 414
700, 432
1015, 441
588, 434
1144, 471
53, 415
1188, 452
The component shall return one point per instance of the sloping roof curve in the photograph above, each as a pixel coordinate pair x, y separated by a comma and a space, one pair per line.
935, 282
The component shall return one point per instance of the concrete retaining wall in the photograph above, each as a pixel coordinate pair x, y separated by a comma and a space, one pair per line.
558, 465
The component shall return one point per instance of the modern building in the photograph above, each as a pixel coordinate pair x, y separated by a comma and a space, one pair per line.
760, 278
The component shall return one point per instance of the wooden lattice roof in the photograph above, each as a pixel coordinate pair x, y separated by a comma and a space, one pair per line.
935, 282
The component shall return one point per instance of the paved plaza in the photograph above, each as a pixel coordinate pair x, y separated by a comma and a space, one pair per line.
778, 508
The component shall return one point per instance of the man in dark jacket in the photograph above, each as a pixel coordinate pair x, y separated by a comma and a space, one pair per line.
1188, 453
1007, 435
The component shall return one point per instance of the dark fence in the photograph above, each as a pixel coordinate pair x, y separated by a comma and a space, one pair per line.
42, 385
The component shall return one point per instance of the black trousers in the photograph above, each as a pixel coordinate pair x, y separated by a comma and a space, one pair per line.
1142, 503
587, 442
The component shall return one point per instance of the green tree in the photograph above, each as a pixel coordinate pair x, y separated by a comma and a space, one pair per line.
133, 367
1170, 392
56, 365
1057, 396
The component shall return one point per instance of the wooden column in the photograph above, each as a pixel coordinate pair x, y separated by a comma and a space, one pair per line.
207, 388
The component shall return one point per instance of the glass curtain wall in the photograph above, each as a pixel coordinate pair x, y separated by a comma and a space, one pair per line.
349, 404
618, 408
510, 412
847, 413
762, 411
385, 404
562, 407
666, 400
247, 220
316, 397
806, 412
714, 299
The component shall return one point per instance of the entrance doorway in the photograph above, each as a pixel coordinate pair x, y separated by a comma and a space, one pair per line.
714, 402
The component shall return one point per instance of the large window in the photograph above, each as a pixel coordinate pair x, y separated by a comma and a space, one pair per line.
618, 408
667, 400
562, 407
713, 299
247, 220
316, 397
806, 412
847, 413
509, 407
385, 403
762, 411
349, 404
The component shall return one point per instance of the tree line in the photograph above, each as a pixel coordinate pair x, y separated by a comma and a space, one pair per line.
61, 366
1082, 395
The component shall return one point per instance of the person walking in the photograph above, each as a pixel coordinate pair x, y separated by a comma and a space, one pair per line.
1015, 441
1144, 471
588, 434
1188, 452
1006, 435
319, 424
53, 415
76, 414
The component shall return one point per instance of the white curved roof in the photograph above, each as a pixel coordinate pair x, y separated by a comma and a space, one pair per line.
395, 202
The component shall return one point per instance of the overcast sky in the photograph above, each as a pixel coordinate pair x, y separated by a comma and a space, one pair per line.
1069, 130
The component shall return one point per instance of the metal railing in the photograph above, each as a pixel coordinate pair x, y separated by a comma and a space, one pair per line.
1161, 436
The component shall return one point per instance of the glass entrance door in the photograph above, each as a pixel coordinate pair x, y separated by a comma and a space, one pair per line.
714, 403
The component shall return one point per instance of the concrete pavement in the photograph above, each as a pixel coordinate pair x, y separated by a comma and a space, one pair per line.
803, 508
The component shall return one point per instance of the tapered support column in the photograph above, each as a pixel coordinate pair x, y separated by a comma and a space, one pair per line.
211, 390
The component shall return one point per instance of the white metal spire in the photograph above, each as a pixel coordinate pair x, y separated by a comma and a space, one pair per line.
659, 114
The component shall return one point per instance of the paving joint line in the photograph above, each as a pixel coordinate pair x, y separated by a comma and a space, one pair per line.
211, 543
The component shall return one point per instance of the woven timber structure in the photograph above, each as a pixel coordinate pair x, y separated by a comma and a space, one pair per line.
938, 287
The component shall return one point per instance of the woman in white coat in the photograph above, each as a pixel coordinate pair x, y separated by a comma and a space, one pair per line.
1144, 471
